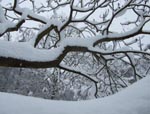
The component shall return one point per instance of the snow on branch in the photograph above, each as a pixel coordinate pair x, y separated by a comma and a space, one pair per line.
65, 33
7, 25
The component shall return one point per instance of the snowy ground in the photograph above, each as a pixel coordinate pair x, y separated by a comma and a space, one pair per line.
133, 100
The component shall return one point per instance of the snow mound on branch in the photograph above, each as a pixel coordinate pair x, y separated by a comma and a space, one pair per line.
133, 100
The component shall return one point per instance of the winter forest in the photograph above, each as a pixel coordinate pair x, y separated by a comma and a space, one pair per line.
74, 57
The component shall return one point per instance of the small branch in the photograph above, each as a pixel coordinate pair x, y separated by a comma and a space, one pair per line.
74, 70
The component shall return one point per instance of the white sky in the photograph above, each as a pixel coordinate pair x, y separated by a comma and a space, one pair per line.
116, 26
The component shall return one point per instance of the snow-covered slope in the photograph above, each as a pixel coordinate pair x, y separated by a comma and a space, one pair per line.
133, 100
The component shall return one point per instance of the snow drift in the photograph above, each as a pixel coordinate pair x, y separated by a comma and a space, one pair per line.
133, 100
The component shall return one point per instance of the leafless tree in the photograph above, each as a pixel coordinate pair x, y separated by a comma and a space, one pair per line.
85, 37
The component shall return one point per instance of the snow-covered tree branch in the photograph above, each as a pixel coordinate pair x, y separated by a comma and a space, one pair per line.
60, 28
